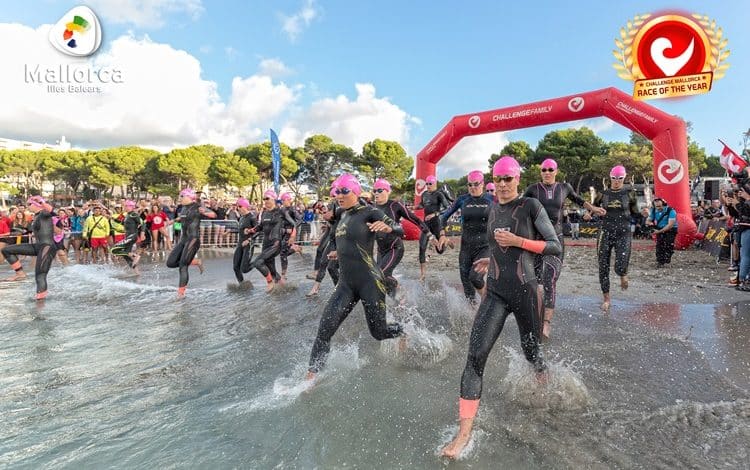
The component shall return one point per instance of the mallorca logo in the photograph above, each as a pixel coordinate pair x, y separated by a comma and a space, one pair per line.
78, 33
671, 54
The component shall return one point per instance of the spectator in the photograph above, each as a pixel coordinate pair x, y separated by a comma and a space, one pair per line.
664, 219
158, 223
741, 206
574, 218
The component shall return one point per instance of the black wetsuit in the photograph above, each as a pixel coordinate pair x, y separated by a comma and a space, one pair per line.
183, 253
325, 264
433, 203
614, 232
390, 245
511, 288
243, 254
133, 226
290, 223
548, 267
361, 279
43, 248
474, 242
272, 225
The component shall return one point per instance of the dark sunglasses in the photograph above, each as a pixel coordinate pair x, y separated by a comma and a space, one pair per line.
545, 170
379, 190
268, 199
429, 184
490, 190
473, 185
504, 179
343, 191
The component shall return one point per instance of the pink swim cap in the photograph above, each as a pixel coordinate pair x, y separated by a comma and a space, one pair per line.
242, 202
349, 182
188, 192
506, 166
35, 201
286, 197
490, 187
381, 183
270, 193
549, 163
618, 171
430, 179
476, 176
129, 204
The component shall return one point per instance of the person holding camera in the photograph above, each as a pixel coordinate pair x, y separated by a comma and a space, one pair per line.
739, 207
664, 220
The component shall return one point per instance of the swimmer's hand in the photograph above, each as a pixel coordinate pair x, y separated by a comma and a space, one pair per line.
506, 239
600, 211
379, 226
482, 265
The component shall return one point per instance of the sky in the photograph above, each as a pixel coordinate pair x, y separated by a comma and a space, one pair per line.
224, 72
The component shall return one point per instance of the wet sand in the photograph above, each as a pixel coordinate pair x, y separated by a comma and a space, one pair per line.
693, 276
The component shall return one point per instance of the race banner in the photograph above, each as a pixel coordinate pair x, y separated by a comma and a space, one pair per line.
716, 238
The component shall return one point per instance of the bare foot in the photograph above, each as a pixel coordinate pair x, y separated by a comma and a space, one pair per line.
200, 266
19, 275
181, 292
542, 377
402, 343
456, 446
605, 305
624, 282
422, 272
270, 286
136, 258
546, 328
310, 375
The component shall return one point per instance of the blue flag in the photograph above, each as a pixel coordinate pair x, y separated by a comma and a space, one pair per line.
276, 158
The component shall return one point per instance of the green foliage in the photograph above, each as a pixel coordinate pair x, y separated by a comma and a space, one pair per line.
189, 164
384, 159
231, 170
324, 160
519, 149
713, 167
260, 156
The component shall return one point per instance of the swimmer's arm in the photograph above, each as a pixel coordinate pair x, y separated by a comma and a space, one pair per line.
459, 202
549, 245
412, 217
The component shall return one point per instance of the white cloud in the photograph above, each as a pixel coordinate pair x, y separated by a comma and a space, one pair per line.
351, 122
273, 68
163, 101
597, 125
471, 153
231, 52
293, 25
145, 13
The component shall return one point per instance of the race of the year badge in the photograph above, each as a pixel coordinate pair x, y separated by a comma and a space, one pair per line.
671, 54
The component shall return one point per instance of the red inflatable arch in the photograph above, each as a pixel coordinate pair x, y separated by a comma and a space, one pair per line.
667, 134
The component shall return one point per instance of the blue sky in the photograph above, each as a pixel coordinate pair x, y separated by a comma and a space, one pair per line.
422, 63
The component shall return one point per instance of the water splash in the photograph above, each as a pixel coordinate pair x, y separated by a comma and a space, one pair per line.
421, 348
563, 389
472, 447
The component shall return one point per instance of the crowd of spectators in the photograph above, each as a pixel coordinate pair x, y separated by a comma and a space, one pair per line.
90, 228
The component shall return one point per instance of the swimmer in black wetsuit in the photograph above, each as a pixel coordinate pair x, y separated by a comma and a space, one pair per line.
514, 229
433, 202
614, 233
361, 279
43, 247
183, 254
289, 234
135, 231
327, 262
475, 209
552, 195
271, 223
390, 245
243, 253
